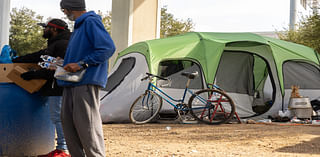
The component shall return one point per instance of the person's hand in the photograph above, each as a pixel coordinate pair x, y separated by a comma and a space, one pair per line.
52, 68
72, 67
28, 75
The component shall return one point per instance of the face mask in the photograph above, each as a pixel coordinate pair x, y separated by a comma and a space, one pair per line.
71, 17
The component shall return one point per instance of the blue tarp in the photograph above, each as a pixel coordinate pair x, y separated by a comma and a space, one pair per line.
6, 54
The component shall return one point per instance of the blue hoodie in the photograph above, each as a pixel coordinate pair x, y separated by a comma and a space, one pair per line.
91, 43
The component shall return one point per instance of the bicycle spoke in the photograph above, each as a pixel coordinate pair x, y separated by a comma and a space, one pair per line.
145, 108
211, 106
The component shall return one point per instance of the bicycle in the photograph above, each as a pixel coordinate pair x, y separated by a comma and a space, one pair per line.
209, 106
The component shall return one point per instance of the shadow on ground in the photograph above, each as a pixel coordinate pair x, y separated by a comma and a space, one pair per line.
306, 147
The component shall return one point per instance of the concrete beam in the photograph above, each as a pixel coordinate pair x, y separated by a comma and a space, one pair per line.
134, 21
4, 22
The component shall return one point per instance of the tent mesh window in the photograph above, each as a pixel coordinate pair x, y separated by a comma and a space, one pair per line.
235, 73
302, 74
246, 75
118, 76
172, 70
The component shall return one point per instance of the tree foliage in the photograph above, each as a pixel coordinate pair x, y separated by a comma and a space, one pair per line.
25, 35
106, 20
171, 26
307, 32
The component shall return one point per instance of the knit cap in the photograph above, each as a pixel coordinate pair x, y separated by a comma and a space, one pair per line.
74, 5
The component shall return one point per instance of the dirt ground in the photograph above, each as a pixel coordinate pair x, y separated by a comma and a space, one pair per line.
227, 140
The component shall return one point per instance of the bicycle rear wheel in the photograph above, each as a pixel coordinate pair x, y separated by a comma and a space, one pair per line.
211, 106
145, 108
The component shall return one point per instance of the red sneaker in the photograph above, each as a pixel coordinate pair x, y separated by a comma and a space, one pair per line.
56, 153
62, 154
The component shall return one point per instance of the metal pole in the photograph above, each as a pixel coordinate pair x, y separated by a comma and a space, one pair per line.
293, 14
4, 22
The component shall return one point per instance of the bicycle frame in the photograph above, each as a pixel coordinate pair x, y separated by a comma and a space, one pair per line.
167, 98
170, 100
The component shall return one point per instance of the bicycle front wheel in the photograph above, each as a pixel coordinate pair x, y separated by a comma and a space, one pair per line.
211, 106
145, 108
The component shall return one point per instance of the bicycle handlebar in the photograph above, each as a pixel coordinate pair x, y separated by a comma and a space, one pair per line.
151, 75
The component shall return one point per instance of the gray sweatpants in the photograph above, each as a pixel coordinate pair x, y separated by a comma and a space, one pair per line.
81, 121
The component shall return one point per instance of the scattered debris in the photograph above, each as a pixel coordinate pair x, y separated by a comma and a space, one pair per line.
168, 128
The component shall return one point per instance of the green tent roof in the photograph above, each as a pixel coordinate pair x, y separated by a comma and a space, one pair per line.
206, 49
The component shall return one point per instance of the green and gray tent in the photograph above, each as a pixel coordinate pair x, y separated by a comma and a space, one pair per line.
256, 71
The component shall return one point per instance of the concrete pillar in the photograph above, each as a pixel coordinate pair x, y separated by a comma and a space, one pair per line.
293, 14
4, 22
134, 21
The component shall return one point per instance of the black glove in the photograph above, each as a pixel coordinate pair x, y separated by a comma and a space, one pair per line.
30, 58
29, 75
38, 74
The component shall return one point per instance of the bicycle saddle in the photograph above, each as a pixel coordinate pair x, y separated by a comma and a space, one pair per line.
190, 75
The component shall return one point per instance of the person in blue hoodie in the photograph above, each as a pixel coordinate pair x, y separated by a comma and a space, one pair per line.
90, 47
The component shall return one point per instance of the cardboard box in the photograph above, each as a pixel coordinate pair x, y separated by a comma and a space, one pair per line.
4, 71
16, 69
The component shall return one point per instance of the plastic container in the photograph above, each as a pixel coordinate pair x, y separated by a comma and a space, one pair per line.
62, 74
25, 125
50, 59
301, 107
299, 103
45, 65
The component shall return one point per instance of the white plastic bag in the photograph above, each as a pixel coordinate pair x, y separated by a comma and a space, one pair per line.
64, 75
286, 113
